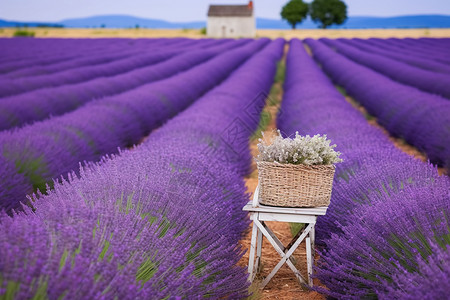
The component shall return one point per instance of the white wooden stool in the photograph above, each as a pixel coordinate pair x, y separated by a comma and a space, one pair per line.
260, 214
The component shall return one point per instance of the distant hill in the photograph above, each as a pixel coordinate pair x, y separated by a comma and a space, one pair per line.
4, 23
122, 21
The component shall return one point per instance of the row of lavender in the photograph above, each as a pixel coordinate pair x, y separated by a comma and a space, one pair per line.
97, 58
18, 49
426, 80
39, 104
161, 221
74, 73
387, 231
416, 48
37, 153
18, 55
421, 118
412, 57
433, 49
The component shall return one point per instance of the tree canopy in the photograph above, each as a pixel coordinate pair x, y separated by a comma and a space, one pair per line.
294, 12
328, 12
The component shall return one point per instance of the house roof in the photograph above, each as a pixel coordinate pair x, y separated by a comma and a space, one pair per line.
230, 11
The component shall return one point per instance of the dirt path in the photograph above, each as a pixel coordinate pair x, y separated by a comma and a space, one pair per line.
284, 284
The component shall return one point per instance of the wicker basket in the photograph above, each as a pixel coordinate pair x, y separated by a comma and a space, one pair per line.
295, 185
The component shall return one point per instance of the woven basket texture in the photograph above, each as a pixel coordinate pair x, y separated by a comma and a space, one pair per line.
291, 185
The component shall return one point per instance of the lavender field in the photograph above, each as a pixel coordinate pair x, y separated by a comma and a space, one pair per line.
123, 163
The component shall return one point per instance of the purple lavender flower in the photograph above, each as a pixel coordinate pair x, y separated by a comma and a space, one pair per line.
431, 281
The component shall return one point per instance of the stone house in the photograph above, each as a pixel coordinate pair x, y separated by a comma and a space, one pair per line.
231, 21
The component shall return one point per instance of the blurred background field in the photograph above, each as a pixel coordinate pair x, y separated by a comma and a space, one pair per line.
197, 33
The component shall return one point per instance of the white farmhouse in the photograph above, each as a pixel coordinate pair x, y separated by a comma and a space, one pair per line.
231, 21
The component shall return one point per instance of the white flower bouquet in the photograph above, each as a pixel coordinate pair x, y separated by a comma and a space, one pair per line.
296, 172
305, 150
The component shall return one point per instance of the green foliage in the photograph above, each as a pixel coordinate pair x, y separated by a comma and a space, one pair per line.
50, 26
281, 71
33, 168
342, 90
12, 287
369, 117
296, 228
273, 96
41, 293
295, 11
255, 291
146, 270
264, 121
23, 33
328, 12
203, 31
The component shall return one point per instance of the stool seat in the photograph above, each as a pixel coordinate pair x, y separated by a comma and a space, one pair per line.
260, 214
315, 211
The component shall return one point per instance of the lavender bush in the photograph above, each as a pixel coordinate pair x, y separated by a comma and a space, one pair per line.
429, 282
414, 227
387, 222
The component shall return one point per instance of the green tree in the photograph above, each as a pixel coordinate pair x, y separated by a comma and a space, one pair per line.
328, 12
294, 12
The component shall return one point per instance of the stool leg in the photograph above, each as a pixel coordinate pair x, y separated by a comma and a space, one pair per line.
309, 259
251, 258
312, 234
259, 245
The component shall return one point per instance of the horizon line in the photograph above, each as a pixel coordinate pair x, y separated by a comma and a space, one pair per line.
195, 21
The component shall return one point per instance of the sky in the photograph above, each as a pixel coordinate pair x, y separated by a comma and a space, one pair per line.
195, 10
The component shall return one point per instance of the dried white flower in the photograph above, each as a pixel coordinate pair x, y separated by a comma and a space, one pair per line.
306, 150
